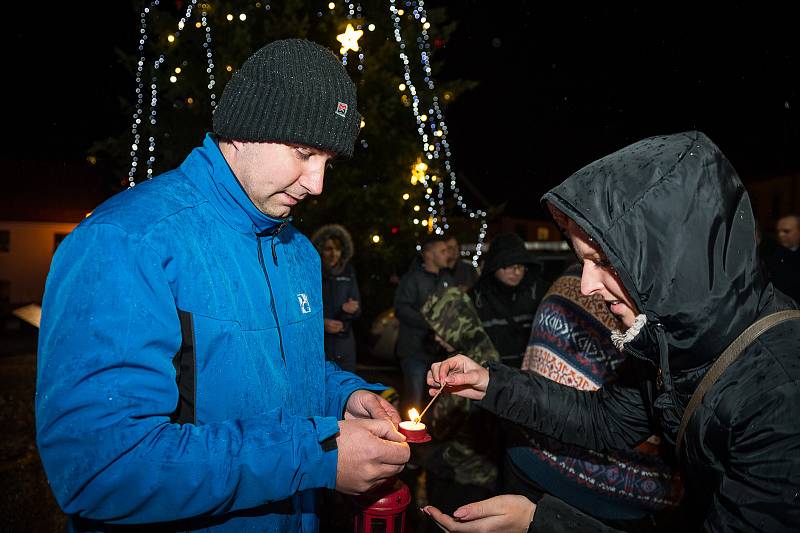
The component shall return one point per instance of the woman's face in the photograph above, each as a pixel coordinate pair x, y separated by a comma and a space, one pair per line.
511, 275
600, 278
331, 253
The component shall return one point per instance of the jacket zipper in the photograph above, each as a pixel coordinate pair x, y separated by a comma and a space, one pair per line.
259, 236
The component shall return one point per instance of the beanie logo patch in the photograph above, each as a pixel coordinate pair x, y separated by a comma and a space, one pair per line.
341, 109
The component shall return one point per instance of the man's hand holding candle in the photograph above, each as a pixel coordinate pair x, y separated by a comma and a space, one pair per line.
370, 451
366, 404
463, 377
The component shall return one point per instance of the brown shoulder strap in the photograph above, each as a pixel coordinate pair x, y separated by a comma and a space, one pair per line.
730, 355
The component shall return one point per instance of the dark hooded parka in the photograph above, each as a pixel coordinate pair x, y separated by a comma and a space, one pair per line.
676, 225
507, 312
339, 285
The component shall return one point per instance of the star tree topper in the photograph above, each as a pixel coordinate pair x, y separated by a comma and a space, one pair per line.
349, 39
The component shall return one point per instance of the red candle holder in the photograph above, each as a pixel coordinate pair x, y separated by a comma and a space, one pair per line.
383, 509
415, 432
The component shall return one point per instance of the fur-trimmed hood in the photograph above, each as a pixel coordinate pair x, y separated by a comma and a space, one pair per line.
334, 230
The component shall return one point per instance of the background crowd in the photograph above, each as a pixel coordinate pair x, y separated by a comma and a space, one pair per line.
506, 310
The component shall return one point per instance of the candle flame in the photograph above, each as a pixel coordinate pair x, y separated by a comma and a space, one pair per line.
413, 415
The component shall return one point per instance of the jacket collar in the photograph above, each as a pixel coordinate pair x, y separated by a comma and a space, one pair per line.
210, 172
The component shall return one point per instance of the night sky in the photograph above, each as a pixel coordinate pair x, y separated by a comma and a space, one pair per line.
559, 86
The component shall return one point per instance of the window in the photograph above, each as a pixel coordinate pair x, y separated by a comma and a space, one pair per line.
542, 233
5, 240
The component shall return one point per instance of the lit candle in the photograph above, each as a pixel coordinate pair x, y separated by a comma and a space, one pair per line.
413, 423
410, 425
413, 429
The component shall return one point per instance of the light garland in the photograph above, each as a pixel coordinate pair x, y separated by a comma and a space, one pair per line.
137, 116
438, 128
431, 126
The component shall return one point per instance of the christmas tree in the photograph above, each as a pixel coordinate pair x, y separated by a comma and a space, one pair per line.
394, 190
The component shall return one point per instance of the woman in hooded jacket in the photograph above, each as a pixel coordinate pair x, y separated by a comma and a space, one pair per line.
340, 297
666, 235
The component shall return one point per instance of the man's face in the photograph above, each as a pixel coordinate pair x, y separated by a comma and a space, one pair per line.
453, 252
438, 255
277, 176
600, 278
788, 232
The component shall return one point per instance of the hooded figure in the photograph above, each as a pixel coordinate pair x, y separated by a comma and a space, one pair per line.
506, 296
672, 225
341, 302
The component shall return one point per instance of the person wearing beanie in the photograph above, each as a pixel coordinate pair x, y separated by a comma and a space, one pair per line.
507, 294
182, 381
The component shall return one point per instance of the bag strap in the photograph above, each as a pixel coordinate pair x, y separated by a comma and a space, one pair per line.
730, 355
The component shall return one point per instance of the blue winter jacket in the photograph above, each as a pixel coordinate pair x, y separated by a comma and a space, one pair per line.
240, 450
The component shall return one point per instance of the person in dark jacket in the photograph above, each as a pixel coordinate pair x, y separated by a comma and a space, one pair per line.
464, 274
666, 235
340, 299
784, 262
416, 344
506, 296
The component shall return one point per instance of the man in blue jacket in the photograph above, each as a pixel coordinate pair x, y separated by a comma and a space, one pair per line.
181, 377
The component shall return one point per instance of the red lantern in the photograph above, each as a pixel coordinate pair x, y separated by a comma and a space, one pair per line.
383, 509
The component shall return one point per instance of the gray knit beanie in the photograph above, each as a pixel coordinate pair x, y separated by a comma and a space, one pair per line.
291, 91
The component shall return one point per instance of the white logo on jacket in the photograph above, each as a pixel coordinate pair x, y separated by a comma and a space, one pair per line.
302, 299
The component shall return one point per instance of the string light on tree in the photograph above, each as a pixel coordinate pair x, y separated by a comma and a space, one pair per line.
430, 123
137, 116
421, 118
209, 57
437, 126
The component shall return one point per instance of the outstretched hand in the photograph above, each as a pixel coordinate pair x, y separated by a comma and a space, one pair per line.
462, 376
506, 513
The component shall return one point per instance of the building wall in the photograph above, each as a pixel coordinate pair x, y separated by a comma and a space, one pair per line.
529, 230
24, 266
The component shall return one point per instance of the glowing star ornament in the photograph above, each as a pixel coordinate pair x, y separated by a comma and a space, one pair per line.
349, 39
418, 171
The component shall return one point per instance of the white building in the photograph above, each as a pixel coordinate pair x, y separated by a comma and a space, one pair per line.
40, 203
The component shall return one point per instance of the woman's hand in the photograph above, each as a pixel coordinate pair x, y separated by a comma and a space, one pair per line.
506, 513
462, 376
350, 306
333, 326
